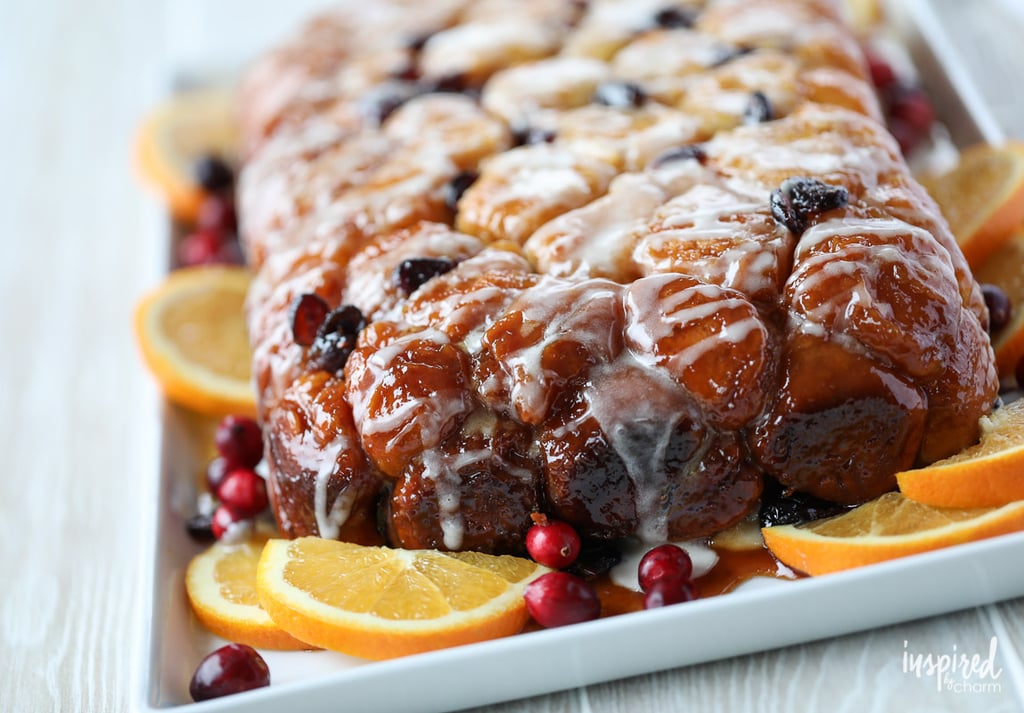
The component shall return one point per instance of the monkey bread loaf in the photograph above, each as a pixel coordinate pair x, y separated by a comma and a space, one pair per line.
619, 262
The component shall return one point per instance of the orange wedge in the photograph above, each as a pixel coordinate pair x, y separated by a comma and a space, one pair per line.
1005, 269
191, 331
982, 197
988, 474
221, 586
379, 603
888, 527
177, 134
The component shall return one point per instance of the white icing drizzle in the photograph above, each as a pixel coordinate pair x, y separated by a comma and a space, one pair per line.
450, 123
540, 171
700, 233
465, 313
625, 405
581, 311
449, 497
652, 316
330, 517
332, 179
734, 332
369, 277
429, 416
520, 189
832, 285
486, 46
443, 468
674, 53
830, 143
644, 145
529, 94
731, 330
813, 269
609, 24
597, 238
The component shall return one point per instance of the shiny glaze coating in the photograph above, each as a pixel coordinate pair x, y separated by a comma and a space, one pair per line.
626, 343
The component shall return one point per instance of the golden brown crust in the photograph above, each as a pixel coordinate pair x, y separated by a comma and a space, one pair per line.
632, 321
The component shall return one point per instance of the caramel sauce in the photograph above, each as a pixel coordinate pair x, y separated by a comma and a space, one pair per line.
732, 569
617, 600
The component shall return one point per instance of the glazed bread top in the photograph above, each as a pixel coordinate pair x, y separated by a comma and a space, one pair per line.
614, 261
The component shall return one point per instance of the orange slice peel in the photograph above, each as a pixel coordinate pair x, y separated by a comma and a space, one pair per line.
1005, 270
380, 603
192, 335
989, 474
886, 528
982, 197
221, 587
176, 134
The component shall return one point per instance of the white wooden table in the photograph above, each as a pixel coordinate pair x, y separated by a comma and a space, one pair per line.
78, 416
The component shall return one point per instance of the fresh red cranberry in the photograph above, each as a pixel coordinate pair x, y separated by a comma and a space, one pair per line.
230, 669
913, 107
240, 441
553, 543
882, 74
231, 252
215, 473
213, 173
664, 563
669, 591
217, 212
559, 598
906, 135
244, 492
222, 520
1000, 310
203, 247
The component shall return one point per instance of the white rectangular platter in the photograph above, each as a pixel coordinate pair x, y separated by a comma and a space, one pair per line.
762, 615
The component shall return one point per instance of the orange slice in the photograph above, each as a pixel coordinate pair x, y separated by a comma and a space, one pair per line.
221, 586
191, 331
988, 474
379, 603
888, 527
177, 134
982, 197
1005, 269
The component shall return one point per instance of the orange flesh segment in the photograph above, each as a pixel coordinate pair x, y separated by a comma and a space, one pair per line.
988, 474
886, 528
376, 602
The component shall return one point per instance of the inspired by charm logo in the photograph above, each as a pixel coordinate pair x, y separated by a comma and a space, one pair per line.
957, 671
